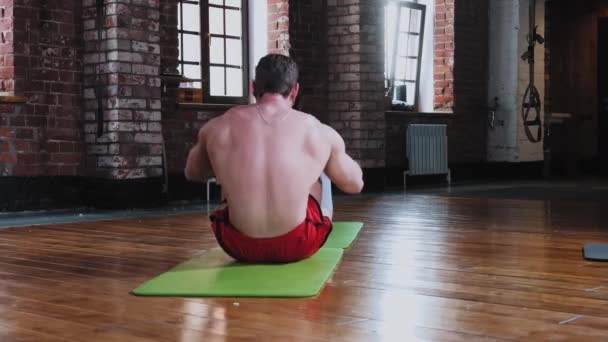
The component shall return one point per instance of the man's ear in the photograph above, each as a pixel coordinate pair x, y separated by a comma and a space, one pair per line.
293, 95
252, 88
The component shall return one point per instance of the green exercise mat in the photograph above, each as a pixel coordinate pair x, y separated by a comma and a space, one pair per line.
215, 274
343, 234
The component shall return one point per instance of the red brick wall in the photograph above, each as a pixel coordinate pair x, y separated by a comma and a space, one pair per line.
444, 55
467, 125
169, 44
180, 130
352, 75
356, 80
47, 63
297, 29
10, 113
278, 26
180, 125
467, 134
127, 65
307, 32
8, 154
7, 83
44, 134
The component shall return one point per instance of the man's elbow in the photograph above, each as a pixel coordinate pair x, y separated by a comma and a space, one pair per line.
354, 187
357, 182
192, 176
188, 175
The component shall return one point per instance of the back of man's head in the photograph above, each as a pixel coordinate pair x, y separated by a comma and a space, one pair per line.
276, 74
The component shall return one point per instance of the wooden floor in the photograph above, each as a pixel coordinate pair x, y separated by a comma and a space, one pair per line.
425, 268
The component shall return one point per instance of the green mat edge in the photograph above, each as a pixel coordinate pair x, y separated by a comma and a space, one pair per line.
314, 293
359, 229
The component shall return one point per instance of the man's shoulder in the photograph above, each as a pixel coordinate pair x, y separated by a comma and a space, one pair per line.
317, 132
234, 111
224, 119
315, 124
308, 119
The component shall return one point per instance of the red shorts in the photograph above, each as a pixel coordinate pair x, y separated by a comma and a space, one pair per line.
300, 243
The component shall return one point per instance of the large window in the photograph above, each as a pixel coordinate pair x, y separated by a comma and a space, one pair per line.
404, 28
213, 48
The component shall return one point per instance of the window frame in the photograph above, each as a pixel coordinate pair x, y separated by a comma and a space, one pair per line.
205, 41
390, 74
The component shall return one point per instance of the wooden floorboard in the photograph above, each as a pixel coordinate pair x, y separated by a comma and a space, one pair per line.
432, 268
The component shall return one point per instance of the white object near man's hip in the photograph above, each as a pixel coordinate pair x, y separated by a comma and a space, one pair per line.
327, 204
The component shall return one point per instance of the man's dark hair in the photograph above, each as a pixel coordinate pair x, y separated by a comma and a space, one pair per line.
276, 74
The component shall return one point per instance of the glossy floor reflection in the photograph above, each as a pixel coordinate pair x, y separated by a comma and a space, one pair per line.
426, 267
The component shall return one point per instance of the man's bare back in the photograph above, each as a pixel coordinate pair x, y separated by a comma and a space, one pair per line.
269, 157
268, 163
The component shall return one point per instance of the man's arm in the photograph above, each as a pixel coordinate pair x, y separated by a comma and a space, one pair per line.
198, 166
341, 168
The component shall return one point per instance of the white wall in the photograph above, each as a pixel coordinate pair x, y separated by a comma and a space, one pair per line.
509, 77
503, 55
258, 33
529, 151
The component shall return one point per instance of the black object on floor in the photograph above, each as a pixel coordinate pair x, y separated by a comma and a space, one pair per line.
595, 252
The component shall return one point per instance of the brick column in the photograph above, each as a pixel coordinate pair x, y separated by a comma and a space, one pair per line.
8, 153
467, 134
444, 55
278, 26
356, 80
125, 61
307, 29
8, 156
7, 82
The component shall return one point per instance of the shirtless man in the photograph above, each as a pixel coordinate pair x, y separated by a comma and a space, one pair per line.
269, 159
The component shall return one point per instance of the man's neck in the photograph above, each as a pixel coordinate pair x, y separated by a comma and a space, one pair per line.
277, 101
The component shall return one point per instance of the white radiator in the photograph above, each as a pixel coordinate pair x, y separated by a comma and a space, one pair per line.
427, 151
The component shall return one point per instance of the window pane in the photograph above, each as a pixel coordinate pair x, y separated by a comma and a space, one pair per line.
192, 72
405, 23
414, 17
390, 29
233, 3
216, 2
406, 69
179, 16
234, 54
405, 92
411, 69
235, 82
401, 91
400, 69
216, 80
216, 20
191, 18
408, 45
216, 50
192, 48
411, 93
233, 22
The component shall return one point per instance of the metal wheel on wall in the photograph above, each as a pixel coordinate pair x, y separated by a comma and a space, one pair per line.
531, 100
